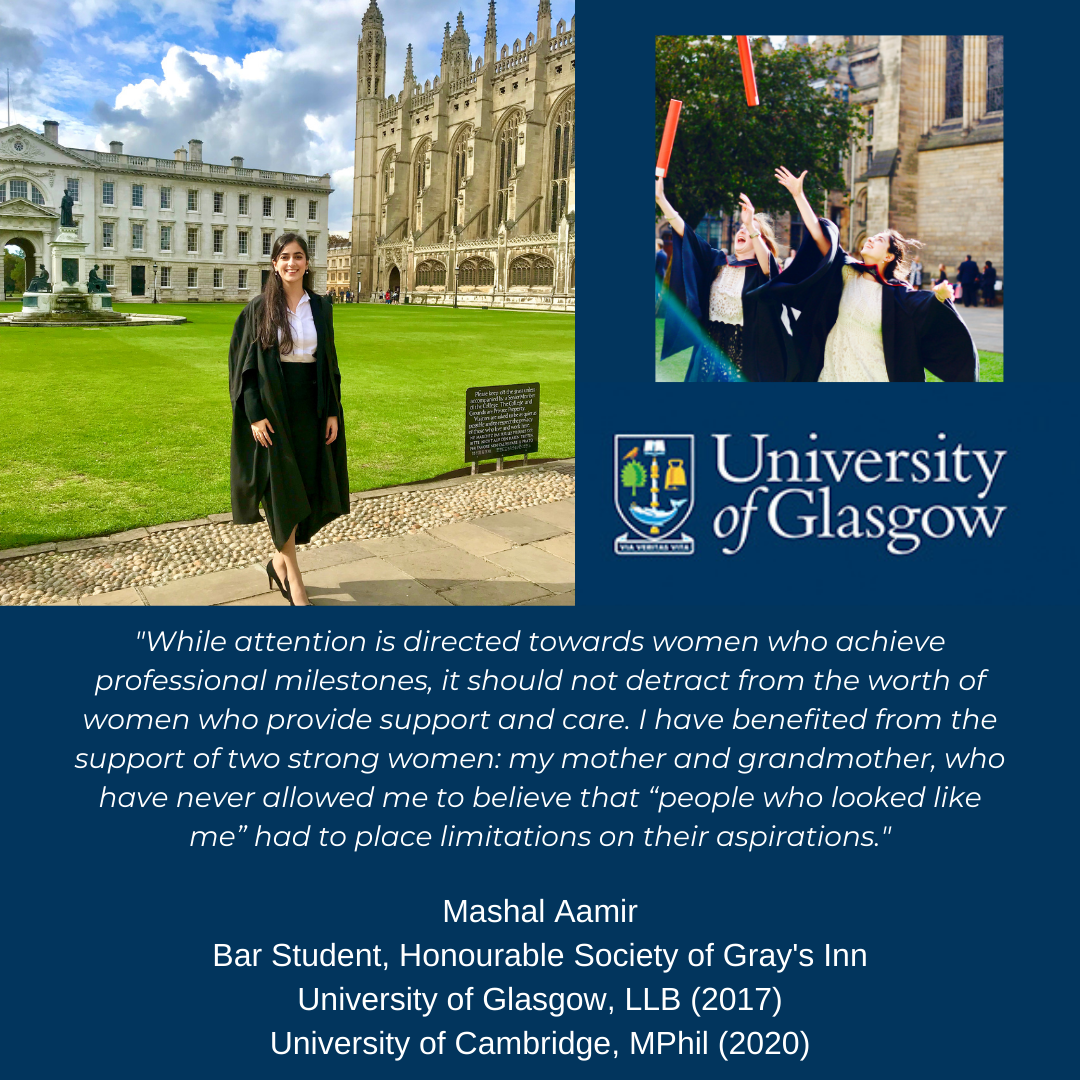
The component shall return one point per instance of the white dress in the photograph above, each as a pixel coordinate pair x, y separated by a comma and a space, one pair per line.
725, 296
853, 350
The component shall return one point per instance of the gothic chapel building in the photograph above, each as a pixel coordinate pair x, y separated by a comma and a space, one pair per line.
463, 187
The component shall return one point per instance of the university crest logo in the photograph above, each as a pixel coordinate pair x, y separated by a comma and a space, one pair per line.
654, 493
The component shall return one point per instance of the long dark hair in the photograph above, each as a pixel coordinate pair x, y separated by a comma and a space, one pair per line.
275, 310
905, 249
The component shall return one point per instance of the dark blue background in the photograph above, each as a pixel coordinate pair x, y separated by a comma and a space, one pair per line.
114, 916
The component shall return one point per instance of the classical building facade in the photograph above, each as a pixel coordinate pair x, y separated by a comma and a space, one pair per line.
339, 265
463, 188
190, 229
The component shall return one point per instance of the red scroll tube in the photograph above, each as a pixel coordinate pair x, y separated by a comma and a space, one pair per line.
746, 62
666, 143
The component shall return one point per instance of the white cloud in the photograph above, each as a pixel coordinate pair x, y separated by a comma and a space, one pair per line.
286, 103
140, 48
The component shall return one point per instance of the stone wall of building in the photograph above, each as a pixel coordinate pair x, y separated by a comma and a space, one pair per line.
120, 193
464, 183
962, 204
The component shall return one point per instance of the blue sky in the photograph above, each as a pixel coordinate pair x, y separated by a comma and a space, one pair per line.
271, 80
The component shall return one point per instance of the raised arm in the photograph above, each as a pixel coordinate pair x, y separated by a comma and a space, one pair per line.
669, 211
760, 250
794, 184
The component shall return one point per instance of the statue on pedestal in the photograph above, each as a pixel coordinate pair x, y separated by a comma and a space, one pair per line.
40, 282
66, 203
95, 284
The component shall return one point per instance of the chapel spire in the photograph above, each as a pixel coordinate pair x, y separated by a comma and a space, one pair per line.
489, 36
543, 21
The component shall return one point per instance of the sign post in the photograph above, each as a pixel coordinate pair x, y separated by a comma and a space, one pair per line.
501, 421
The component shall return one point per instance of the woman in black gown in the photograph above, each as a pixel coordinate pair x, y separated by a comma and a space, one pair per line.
733, 336
288, 437
859, 319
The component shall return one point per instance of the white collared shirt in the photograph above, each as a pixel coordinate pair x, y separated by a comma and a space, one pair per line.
305, 338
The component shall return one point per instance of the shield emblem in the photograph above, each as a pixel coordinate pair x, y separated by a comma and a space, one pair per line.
654, 493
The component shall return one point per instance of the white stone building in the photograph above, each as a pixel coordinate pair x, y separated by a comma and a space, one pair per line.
190, 229
463, 187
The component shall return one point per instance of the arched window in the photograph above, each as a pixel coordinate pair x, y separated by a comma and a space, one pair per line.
422, 165
388, 177
505, 165
21, 189
995, 73
475, 272
458, 172
562, 160
422, 177
860, 208
530, 270
431, 272
573, 265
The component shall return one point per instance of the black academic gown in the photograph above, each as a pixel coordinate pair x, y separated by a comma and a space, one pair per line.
919, 333
766, 342
271, 475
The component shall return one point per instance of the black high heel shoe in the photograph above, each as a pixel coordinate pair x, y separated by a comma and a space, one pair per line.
271, 573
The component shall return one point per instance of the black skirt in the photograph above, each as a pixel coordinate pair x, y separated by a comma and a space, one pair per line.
707, 366
302, 410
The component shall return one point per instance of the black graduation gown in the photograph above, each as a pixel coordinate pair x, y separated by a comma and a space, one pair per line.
919, 333
766, 343
271, 476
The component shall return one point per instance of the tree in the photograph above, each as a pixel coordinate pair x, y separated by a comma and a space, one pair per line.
14, 274
633, 476
723, 146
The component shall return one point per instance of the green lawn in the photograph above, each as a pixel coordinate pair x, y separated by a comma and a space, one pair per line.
106, 430
673, 368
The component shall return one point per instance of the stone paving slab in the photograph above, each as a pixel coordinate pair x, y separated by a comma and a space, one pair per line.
32, 549
83, 545
370, 582
471, 538
518, 527
445, 568
559, 513
404, 545
274, 599
563, 599
120, 598
317, 558
129, 534
172, 526
561, 546
531, 563
217, 588
495, 592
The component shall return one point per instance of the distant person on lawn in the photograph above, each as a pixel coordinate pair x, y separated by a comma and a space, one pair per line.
288, 436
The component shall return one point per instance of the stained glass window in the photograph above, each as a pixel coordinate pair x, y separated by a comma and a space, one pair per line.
995, 73
954, 76
562, 161
506, 167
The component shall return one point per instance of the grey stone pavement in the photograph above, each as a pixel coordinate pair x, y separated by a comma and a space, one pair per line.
987, 326
524, 557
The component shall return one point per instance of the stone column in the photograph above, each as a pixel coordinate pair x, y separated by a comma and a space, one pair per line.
562, 258
933, 82
974, 79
